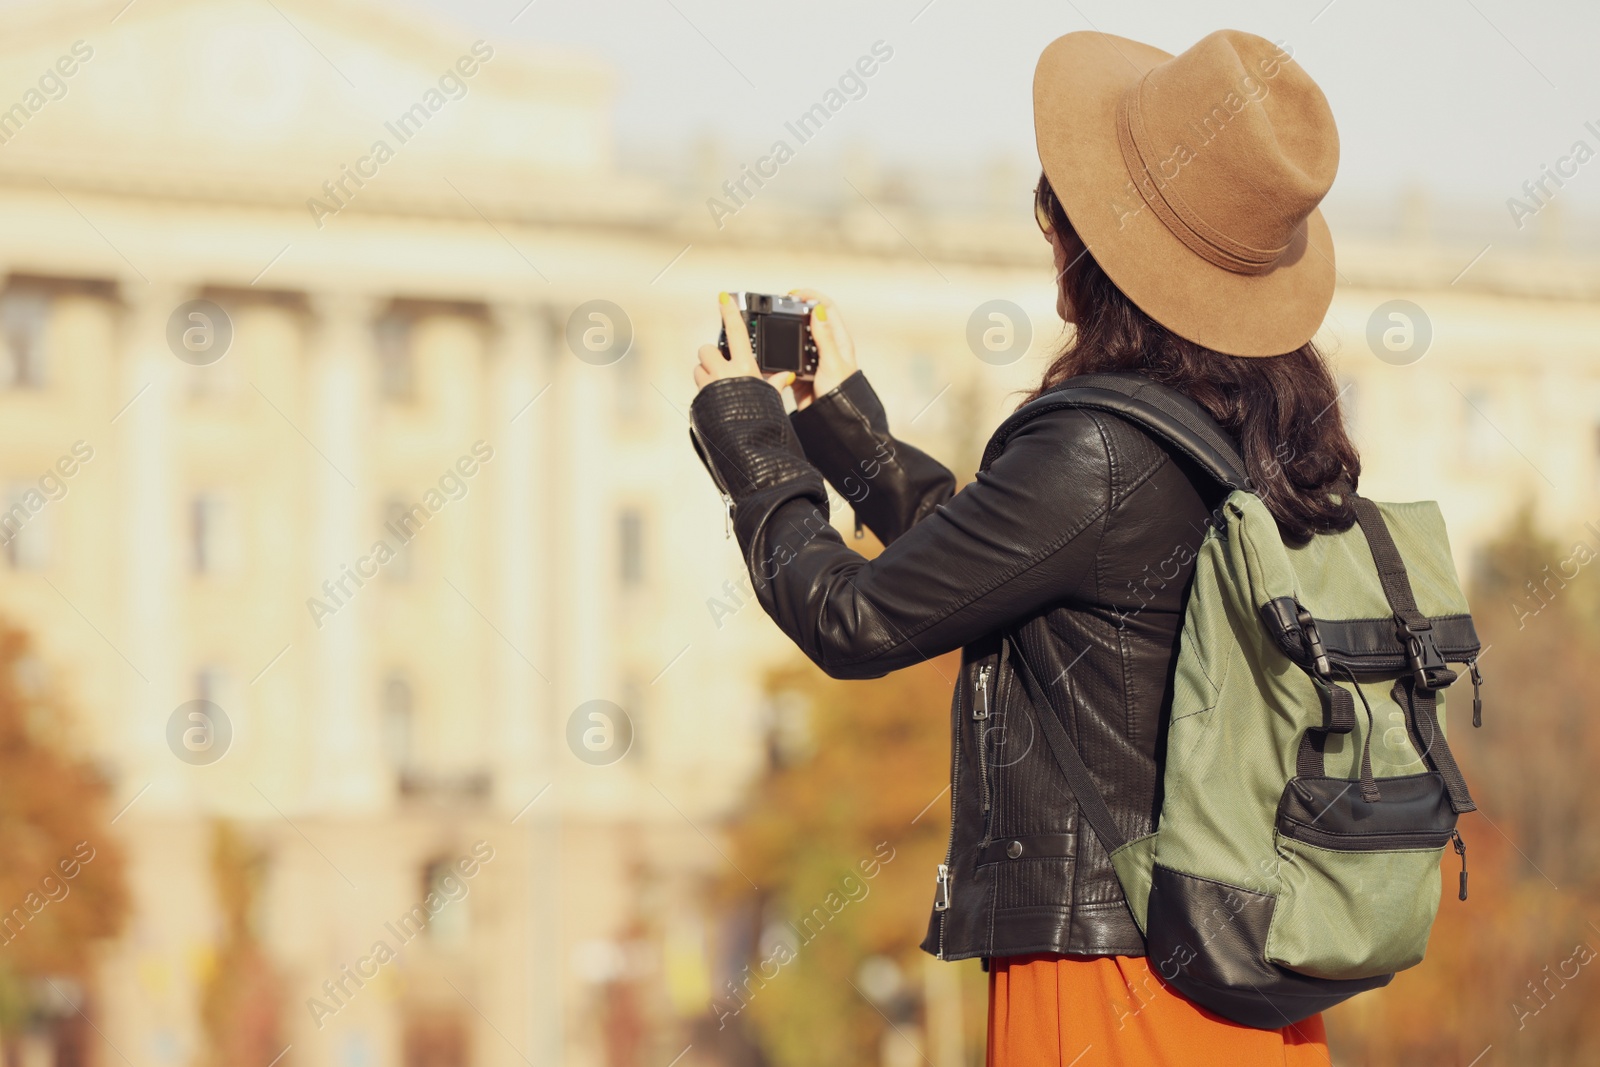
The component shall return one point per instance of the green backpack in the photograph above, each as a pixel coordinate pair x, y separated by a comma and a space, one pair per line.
1296, 859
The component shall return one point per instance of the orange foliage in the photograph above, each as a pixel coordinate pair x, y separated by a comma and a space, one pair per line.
242, 1003
853, 814
1516, 966
61, 882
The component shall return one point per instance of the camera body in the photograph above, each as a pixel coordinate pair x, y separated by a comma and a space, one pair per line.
780, 333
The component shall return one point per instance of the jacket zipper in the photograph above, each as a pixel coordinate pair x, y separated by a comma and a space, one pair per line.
941, 901
980, 714
1412, 839
727, 499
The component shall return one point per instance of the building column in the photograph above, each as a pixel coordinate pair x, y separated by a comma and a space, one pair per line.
527, 549
159, 823
583, 523
520, 547
150, 375
346, 771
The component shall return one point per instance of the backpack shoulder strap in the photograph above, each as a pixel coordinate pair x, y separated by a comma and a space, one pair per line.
1067, 757
1161, 412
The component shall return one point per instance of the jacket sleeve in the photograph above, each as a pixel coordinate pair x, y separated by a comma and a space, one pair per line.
890, 484
1024, 535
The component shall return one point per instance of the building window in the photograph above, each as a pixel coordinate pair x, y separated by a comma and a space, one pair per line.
24, 531
401, 523
396, 363
213, 541
24, 317
1482, 439
397, 723
630, 544
631, 387
211, 684
205, 732
453, 921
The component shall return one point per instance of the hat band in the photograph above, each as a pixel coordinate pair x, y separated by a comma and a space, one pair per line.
1203, 239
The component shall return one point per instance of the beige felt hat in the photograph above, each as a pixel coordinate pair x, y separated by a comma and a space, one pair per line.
1194, 181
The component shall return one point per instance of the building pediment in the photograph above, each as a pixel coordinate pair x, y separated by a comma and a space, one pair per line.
245, 99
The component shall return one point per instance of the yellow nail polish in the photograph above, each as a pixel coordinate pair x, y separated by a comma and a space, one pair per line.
821, 313
724, 298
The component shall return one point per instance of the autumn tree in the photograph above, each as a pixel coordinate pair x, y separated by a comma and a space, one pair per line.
62, 887
843, 835
1516, 966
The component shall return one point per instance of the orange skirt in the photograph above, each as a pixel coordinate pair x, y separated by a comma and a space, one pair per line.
1113, 1011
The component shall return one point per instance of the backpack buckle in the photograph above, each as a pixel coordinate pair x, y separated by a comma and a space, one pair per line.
1428, 668
1315, 650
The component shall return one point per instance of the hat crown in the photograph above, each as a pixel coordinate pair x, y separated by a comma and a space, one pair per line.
1234, 144
1193, 181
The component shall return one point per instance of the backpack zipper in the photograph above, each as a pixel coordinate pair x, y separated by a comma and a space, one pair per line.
1370, 666
1409, 839
1477, 720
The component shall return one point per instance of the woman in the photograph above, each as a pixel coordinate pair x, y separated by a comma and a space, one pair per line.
1179, 197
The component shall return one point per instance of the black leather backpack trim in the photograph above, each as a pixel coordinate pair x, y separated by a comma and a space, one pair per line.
1208, 940
1369, 647
1414, 813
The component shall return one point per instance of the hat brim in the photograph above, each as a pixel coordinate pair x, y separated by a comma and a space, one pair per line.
1077, 85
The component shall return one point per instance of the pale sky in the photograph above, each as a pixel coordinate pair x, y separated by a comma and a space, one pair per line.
1466, 97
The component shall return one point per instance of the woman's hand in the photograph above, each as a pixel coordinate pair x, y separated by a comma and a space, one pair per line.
836, 352
740, 361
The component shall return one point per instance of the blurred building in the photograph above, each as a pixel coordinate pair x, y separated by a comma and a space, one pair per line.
474, 346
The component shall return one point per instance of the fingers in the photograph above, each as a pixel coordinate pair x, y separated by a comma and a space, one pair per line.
803, 391
822, 333
738, 334
713, 364
843, 345
813, 296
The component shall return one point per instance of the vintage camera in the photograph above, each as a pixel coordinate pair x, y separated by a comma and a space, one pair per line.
780, 333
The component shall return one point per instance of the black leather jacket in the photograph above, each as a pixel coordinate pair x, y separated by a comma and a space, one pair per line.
1080, 533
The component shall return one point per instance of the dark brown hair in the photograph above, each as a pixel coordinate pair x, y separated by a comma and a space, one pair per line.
1283, 410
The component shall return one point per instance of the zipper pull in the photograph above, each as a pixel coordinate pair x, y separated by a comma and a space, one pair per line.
942, 901
860, 530
1477, 698
980, 710
1461, 850
727, 524
1314, 646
